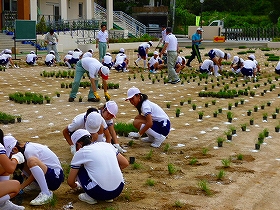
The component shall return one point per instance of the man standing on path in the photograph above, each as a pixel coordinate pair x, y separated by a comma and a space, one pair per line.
172, 48
196, 41
51, 39
102, 40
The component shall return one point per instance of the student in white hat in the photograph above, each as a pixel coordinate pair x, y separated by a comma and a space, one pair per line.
155, 63
121, 61
151, 118
6, 59
96, 167
237, 64
252, 57
67, 58
31, 58
143, 50
44, 168
50, 59
95, 70
180, 64
108, 60
9, 188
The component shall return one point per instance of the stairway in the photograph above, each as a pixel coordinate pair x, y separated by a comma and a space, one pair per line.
7, 42
121, 21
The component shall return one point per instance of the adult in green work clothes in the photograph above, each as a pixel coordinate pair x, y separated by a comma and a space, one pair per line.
196, 41
102, 41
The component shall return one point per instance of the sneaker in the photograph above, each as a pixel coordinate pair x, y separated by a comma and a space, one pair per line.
70, 99
109, 201
32, 187
125, 70
157, 142
121, 150
41, 199
135, 63
148, 139
86, 198
8, 205
217, 75
93, 100
175, 81
169, 81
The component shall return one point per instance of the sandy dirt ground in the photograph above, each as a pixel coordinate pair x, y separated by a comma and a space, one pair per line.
248, 184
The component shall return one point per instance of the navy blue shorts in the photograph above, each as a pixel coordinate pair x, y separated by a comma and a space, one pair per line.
212, 54
97, 192
4, 61
109, 65
247, 72
120, 66
203, 70
277, 71
52, 180
160, 128
142, 51
49, 63
73, 60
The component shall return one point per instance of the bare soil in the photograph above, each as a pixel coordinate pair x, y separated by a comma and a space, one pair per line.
250, 183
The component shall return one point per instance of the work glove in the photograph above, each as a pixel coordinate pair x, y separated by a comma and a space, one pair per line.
121, 150
50, 43
19, 157
79, 186
73, 149
96, 95
133, 135
107, 96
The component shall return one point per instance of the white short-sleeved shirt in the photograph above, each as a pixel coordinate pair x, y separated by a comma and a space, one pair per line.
2, 149
219, 53
30, 57
108, 59
67, 57
249, 64
100, 137
145, 45
155, 110
100, 161
5, 56
278, 66
206, 64
102, 36
51, 38
77, 54
172, 42
44, 154
77, 123
241, 60
163, 35
49, 57
92, 65
152, 60
120, 58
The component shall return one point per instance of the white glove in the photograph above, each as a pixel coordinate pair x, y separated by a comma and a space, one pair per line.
19, 157
73, 149
50, 43
79, 186
121, 150
133, 135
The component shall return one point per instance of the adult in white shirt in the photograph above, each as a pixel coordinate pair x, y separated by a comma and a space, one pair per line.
31, 58
217, 55
50, 58
155, 63
51, 38
143, 50
96, 167
172, 48
95, 70
163, 34
102, 41
207, 66
121, 61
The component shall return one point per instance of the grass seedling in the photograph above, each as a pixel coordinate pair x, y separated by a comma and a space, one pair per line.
239, 157
205, 151
178, 204
171, 168
127, 195
226, 163
66, 170
130, 143
193, 161
221, 175
136, 165
166, 147
203, 185
149, 155
150, 182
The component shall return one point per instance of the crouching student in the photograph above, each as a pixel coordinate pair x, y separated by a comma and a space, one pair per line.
277, 68
41, 165
31, 58
50, 59
96, 167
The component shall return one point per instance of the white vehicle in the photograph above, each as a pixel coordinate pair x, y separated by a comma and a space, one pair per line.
231, 33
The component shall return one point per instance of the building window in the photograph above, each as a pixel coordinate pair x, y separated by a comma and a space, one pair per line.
80, 10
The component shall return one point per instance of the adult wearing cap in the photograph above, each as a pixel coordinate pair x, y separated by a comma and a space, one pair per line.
217, 55
109, 112
96, 168
108, 60
44, 168
172, 48
121, 61
95, 70
77, 123
143, 50
31, 58
155, 63
6, 59
9, 188
151, 118
196, 41
236, 64
51, 39
102, 41
50, 59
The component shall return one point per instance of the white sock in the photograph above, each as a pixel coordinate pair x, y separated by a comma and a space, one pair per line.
39, 175
138, 59
4, 178
3, 199
151, 132
68, 64
216, 69
145, 64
